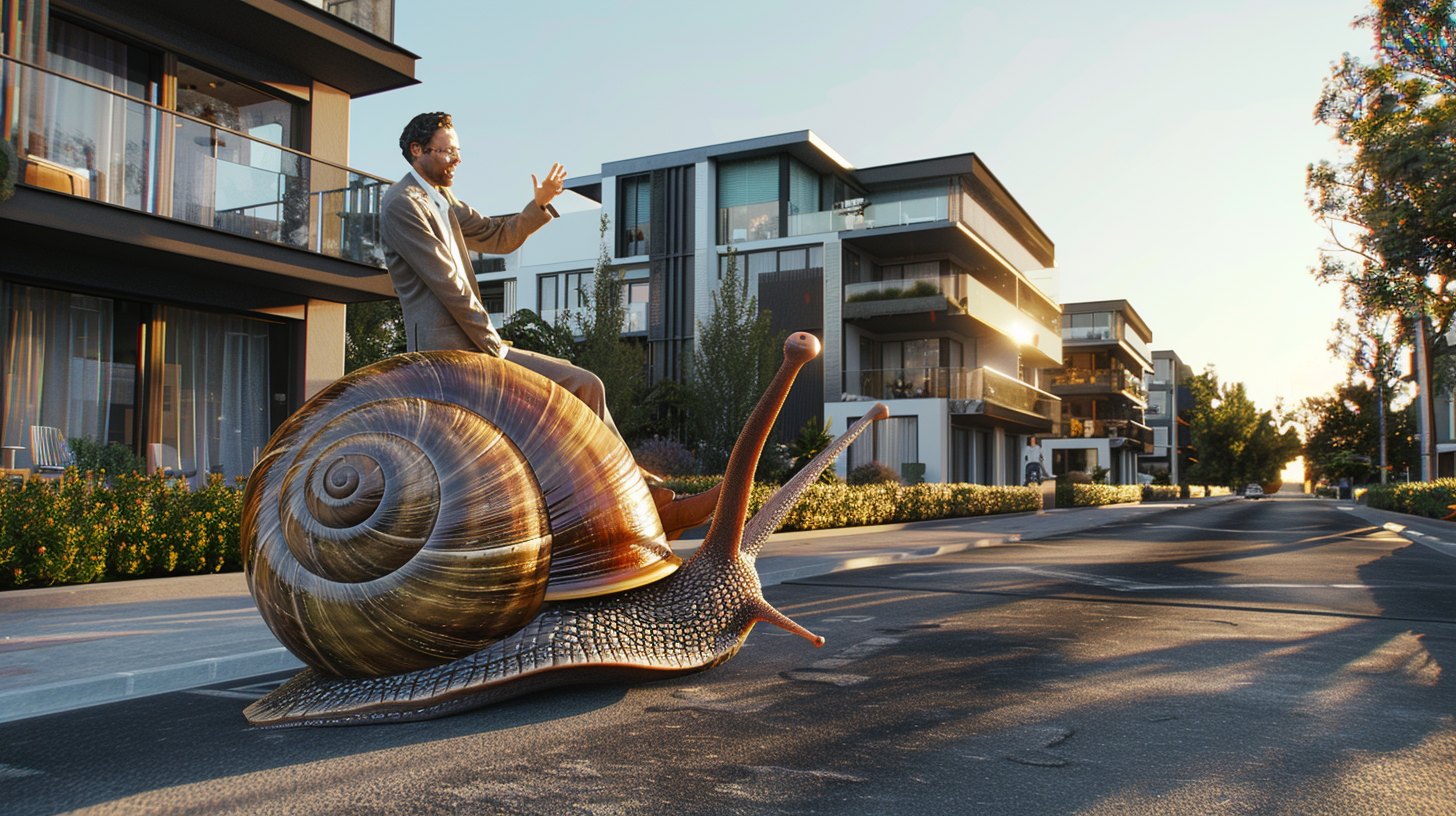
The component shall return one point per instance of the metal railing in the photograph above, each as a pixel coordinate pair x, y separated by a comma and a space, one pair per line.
1116, 379
1107, 429
985, 384
90, 142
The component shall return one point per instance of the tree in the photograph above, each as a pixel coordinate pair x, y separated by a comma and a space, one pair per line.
734, 360
1342, 435
1389, 205
621, 365
1237, 444
526, 330
372, 332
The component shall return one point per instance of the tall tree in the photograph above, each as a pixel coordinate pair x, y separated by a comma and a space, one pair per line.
1342, 436
734, 360
621, 364
372, 332
1236, 443
1390, 205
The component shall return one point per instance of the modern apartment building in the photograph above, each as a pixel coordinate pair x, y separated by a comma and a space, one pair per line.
925, 280
186, 229
1103, 398
1167, 397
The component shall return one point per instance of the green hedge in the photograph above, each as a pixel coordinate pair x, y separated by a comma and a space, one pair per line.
76, 529
1429, 499
1096, 495
826, 506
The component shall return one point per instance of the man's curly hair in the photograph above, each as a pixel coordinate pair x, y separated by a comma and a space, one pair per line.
421, 129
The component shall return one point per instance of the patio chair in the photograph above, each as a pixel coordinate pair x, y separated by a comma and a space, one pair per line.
49, 451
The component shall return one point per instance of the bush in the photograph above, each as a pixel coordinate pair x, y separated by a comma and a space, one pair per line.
1429, 499
113, 459
872, 473
78, 529
1096, 495
1163, 492
665, 457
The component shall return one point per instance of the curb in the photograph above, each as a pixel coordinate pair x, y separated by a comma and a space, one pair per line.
109, 688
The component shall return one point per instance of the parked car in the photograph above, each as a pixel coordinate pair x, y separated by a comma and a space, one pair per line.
1253, 491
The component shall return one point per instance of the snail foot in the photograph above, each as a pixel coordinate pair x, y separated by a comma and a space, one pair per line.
684, 513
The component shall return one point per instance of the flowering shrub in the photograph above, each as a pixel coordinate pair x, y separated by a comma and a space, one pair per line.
1430, 499
77, 529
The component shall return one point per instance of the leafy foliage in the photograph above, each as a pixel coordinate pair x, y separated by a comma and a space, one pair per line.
1236, 444
526, 330
111, 459
1342, 435
733, 362
665, 457
1432, 499
811, 439
78, 529
872, 473
373, 331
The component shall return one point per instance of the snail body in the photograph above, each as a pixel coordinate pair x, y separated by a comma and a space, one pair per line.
641, 616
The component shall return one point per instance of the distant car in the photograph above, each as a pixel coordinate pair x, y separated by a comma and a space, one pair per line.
1253, 491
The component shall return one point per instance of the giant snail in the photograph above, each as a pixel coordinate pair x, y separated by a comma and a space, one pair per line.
441, 531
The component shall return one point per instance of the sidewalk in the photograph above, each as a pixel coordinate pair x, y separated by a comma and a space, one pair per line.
71, 647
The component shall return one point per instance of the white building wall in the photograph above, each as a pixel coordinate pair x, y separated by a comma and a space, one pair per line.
932, 422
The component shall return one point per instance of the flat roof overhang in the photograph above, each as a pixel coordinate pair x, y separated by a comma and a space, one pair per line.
73, 240
289, 32
981, 414
1119, 350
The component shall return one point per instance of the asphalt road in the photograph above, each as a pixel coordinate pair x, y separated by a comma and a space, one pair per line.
1261, 657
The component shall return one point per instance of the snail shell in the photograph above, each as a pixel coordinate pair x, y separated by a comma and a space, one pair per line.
427, 505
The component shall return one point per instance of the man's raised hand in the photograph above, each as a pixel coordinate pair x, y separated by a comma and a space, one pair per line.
552, 187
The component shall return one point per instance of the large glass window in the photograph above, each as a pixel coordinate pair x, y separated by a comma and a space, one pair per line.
748, 200
566, 292
60, 370
209, 398
894, 442
634, 221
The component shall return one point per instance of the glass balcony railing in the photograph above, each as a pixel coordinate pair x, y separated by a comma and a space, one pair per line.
80, 139
1118, 379
984, 384
952, 286
877, 214
1077, 428
374, 16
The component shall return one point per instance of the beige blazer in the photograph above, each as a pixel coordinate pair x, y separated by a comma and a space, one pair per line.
439, 296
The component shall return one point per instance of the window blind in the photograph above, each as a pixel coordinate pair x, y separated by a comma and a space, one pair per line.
751, 181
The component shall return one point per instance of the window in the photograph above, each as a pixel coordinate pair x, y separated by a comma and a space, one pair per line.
634, 301
894, 441
803, 188
235, 106
563, 293
748, 200
634, 215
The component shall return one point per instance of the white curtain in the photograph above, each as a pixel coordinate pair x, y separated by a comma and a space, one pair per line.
894, 441
58, 366
211, 396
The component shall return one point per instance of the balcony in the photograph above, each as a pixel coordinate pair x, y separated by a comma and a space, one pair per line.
374, 16
1099, 380
960, 294
969, 390
89, 142
634, 318
881, 213
1132, 434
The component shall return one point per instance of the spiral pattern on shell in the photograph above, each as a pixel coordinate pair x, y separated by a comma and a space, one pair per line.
424, 507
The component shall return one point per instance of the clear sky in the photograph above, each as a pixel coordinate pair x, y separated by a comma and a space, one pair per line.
1161, 145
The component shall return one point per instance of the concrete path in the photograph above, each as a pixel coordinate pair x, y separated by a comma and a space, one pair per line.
63, 648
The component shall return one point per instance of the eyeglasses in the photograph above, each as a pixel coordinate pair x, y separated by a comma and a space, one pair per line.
452, 152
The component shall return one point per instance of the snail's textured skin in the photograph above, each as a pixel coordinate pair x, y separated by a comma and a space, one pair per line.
692, 620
